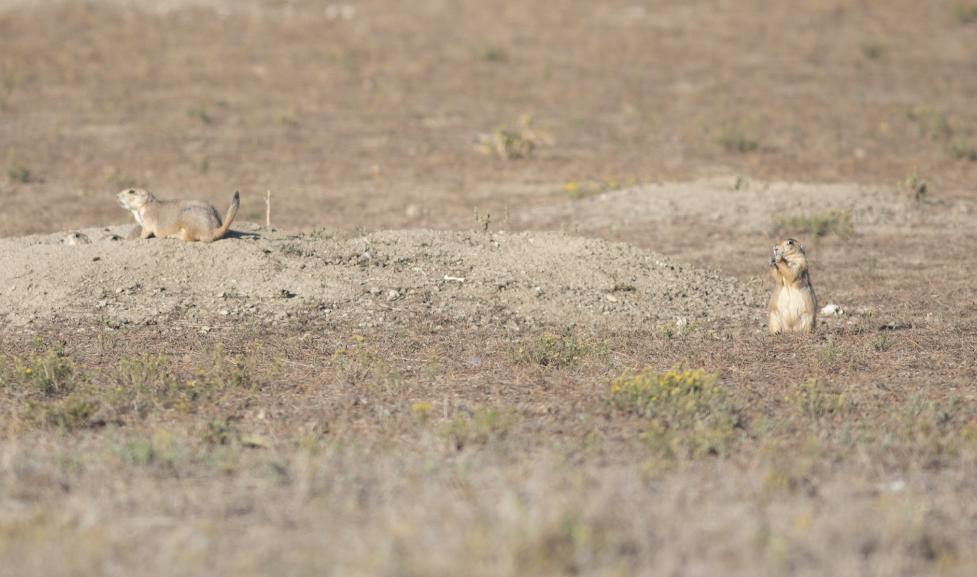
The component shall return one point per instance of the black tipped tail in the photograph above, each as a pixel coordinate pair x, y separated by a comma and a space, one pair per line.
229, 218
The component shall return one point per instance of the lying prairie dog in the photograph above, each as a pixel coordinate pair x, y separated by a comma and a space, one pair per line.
793, 305
188, 220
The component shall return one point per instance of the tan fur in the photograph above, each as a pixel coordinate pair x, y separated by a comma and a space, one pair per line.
793, 305
189, 220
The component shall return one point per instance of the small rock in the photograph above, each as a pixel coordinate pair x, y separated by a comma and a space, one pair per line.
832, 310
76, 238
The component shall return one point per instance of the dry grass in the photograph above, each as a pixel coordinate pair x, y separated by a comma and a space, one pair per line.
556, 472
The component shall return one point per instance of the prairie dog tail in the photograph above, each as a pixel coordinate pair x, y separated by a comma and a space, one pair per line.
229, 217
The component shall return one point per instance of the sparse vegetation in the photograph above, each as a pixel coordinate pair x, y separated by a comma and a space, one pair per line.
581, 189
495, 54
873, 50
966, 12
735, 138
689, 413
836, 222
292, 249
553, 350
410, 402
60, 396
964, 150
203, 115
21, 174
513, 143
931, 123
484, 425
50, 374
917, 186
815, 401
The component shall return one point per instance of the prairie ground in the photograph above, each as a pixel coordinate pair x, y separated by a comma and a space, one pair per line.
509, 319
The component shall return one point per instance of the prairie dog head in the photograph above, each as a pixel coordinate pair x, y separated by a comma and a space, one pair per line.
790, 251
133, 199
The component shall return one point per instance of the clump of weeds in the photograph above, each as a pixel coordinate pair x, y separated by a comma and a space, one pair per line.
553, 350
689, 414
514, 142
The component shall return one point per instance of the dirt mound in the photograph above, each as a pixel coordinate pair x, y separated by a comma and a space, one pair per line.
739, 205
418, 277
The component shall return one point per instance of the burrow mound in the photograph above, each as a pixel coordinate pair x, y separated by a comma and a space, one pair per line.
412, 278
740, 205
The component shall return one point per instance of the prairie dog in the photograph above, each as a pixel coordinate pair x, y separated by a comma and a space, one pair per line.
793, 305
184, 219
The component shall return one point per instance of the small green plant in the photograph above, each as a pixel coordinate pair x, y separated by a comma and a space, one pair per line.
830, 356
138, 451
873, 50
916, 185
815, 401
229, 372
883, 342
422, 411
735, 138
553, 350
623, 287
966, 13
482, 426
158, 449
483, 222
51, 374
837, 222
513, 143
220, 432
931, 123
77, 411
295, 250
494, 54
668, 330
963, 150
364, 369
21, 174
144, 384
201, 114
689, 413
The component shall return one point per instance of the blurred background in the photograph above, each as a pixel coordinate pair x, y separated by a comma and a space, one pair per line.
376, 114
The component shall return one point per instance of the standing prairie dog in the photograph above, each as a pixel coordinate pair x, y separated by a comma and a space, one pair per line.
184, 219
793, 305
